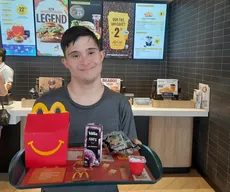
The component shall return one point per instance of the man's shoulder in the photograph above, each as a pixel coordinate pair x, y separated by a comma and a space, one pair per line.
117, 97
8, 68
51, 97
114, 94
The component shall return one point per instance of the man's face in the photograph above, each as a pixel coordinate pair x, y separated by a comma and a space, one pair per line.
84, 60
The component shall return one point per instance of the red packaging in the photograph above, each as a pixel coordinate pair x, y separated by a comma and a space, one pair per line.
46, 137
18, 30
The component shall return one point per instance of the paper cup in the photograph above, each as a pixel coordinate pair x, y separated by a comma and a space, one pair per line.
137, 164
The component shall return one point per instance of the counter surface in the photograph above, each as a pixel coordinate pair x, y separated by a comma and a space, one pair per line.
17, 112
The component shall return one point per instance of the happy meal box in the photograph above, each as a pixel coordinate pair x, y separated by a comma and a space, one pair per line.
46, 136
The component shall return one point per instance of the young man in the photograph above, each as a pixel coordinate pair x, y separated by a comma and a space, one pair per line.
85, 97
5, 71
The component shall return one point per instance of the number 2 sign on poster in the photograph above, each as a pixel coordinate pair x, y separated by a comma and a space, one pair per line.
51, 18
118, 20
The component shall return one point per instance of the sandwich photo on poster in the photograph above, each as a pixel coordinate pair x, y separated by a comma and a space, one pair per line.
51, 17
118, 20
88, 14
17, 27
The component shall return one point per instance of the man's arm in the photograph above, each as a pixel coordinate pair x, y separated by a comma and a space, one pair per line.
3, 89
8, 76
127, 121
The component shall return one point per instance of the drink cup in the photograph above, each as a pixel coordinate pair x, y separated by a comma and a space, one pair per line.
137, 164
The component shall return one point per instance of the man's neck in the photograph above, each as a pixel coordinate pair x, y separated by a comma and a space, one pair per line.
85, 94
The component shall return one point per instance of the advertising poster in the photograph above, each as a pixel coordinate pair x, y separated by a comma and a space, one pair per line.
167, 86
17, 27
118, 22
149, 32
51, 18
88, 14
49, 83
112, 83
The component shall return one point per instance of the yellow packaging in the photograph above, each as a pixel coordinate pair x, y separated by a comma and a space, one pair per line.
118, 25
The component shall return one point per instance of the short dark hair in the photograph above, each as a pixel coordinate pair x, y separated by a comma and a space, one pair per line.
72, 34
3, 54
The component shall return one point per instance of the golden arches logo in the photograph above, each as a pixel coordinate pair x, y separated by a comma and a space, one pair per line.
40, 106
57, 105
45, 153
45, 110
80, 175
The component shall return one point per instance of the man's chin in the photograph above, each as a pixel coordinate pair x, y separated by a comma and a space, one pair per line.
89, 80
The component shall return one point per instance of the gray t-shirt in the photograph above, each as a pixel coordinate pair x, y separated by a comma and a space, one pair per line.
112, 111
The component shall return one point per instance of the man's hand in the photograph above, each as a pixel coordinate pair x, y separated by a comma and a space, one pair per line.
137, 142
8, 86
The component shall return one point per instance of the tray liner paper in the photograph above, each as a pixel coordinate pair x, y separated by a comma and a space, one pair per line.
112, 168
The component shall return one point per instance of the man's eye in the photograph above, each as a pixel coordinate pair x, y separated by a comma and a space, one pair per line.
75, 56
91, 53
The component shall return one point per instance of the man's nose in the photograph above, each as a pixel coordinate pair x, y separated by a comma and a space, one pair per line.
85, 60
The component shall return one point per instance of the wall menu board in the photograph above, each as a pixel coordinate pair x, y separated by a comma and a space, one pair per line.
51, 18
149, 31
17, 27
88, 14
126, 30
118, 22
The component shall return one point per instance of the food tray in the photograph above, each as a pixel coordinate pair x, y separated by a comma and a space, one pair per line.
19, 175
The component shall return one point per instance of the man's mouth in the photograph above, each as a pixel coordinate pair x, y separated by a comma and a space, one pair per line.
87, 69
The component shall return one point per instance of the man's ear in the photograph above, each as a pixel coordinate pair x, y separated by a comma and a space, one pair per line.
102, 55
64, 62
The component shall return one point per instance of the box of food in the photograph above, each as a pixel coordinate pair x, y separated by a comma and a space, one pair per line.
93, 144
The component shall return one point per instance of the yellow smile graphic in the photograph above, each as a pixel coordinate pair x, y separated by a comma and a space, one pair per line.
46, 153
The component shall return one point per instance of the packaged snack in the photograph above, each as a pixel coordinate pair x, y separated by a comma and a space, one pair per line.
118, 143
93, 145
